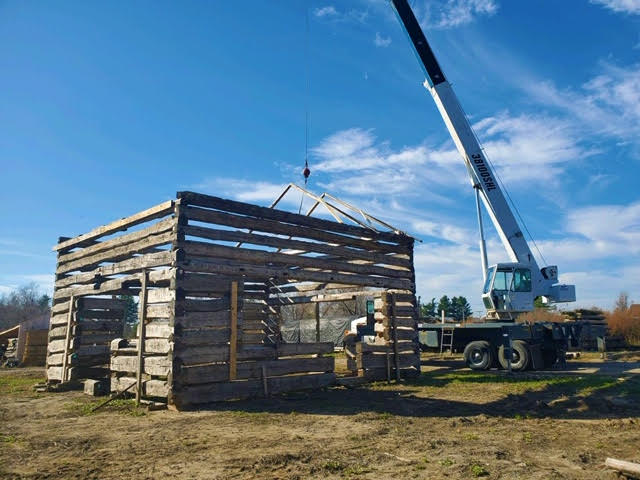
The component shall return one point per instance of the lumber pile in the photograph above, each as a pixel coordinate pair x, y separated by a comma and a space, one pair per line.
35, 348
593, 327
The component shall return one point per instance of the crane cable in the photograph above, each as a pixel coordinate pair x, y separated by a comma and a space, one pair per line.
306, 171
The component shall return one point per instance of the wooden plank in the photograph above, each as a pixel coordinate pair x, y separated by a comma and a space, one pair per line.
149, 214
209, 201
117, 253
262, 257
142, 325
628, 468
251, 338
233, 340
287, 275
284, 243
158, 366
159, 227
256, 224
158, 330
290, 349
135, 264
85, 356
67, 338
215, 392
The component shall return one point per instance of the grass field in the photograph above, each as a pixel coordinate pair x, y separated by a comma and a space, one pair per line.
445, 424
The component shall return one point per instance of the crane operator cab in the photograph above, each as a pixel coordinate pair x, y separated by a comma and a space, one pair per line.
507, 291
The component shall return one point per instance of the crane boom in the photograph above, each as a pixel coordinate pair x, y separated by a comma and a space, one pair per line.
542, 282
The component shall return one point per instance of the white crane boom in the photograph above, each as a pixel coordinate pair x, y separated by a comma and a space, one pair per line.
510, 288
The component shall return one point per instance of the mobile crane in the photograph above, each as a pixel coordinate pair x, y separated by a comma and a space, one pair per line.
509, 288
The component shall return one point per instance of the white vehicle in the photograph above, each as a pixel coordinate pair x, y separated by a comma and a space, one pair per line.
510, 288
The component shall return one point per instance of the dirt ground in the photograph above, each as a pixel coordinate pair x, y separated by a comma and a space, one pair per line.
449, 423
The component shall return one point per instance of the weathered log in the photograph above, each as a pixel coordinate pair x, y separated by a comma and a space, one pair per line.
252, 370
290, 349
305, 246
215, 392
147, 215
288, 275
261, 257
208, 201
159, 227
118, 253
150, 388
157, 366
256, 224
134, 264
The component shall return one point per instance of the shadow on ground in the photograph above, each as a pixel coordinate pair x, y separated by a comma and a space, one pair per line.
558, 397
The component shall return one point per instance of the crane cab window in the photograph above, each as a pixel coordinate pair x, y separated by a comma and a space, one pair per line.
503, 280
522, 280
487, 283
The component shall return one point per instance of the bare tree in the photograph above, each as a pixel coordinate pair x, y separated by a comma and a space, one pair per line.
622, 303
22, 304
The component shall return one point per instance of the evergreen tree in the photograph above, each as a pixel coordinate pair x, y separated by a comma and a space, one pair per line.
428, 309
461, 310
444, 304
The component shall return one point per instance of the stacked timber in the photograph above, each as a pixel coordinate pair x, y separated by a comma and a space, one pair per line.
79, 337
35, 348
396, 352
593, 327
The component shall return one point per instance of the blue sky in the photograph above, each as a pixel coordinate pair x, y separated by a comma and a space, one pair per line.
111, 107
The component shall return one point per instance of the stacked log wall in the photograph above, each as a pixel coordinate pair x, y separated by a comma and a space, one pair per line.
92, 269
396, 352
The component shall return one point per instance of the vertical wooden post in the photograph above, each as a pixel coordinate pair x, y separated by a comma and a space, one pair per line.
142, 320
396, 360
317, 321
388, 358
265, 385
233, 340
67, 338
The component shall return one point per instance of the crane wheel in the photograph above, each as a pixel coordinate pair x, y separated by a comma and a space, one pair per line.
478, 355
520, 356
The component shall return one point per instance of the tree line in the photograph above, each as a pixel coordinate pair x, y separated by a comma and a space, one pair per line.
24, 303
454, 307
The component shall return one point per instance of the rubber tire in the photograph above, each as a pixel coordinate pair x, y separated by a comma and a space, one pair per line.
520, 351
478, 355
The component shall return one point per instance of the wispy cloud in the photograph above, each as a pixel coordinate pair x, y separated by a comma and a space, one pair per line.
328, 11
631, 7
333, 14
608, 104
445, 14
528, 149
380, 41
241, 189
